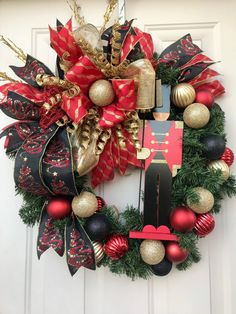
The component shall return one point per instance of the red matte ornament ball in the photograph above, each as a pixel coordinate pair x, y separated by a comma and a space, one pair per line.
101, 203
182, 219
59, 207
204, 225
228, 156
116, 246
175, 253
205, 97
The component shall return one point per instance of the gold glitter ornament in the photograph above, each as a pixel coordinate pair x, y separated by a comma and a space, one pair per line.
183, 95
98, 248
85, 204
196, 116
101, 93
222, 166
152, 251
205, 203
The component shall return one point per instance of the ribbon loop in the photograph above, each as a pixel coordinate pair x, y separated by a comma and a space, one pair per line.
20, 108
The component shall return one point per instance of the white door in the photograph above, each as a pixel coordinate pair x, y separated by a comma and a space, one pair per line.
29, 286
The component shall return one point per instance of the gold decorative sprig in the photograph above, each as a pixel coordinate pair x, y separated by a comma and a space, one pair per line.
109, 10
76, 9
115, 45
18, 51
5, 77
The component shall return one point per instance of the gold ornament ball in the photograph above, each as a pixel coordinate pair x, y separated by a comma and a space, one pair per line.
152, 251
183, 95
222, 166
98, 251
205, 203
101, 93
84, 205
196, 116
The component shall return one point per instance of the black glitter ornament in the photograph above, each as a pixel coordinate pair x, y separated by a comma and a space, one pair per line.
163, 268
97, 227
214, 146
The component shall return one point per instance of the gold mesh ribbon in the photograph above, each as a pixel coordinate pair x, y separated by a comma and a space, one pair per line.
89, 142
143, 74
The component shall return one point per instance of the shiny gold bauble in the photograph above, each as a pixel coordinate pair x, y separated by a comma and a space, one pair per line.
222, 166
101, 93
205, 203
152, 251
98, 248
196, 116
183, 95
84, 205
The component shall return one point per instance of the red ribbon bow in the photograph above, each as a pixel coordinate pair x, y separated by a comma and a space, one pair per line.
83, 74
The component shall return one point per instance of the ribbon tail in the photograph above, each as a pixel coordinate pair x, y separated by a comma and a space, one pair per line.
30, 70
190, 73
63, 43
215, 87
180, 52
16, 133
79, 248
49, 236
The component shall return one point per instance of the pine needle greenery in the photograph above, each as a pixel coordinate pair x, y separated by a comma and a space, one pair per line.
194, 173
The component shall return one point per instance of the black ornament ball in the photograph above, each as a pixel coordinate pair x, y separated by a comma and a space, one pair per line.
214, 146
163, 268
97, 227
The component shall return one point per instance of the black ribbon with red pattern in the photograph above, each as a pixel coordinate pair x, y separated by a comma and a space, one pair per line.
49, 236
44, 163
79, 248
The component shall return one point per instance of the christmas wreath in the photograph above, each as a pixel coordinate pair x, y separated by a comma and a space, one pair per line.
116, 103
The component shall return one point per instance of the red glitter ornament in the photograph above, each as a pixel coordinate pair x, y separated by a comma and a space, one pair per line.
205, 97
175, 253
59, 207
204, 225
228, 156
182, 219
101, 203
116, 246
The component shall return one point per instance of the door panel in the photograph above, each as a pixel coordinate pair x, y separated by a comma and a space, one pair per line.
46, 287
